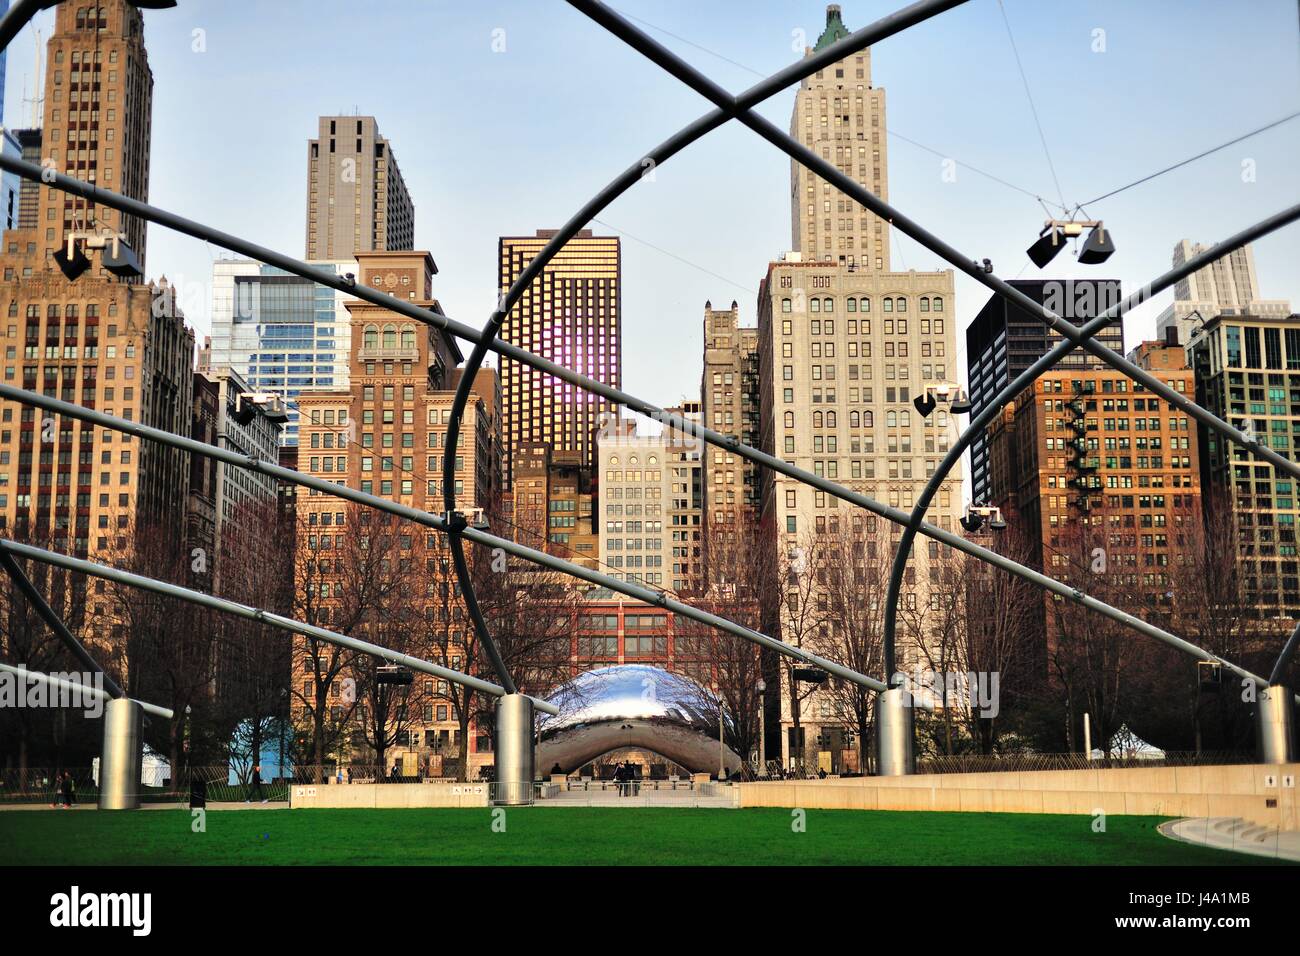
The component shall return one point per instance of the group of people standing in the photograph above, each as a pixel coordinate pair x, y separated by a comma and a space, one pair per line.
65, 791
627, 777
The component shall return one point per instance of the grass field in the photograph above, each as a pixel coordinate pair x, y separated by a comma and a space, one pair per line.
581, 836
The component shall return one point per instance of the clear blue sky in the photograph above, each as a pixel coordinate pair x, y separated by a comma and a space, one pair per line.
502, 143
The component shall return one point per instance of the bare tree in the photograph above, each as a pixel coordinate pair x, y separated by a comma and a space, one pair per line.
802, 612
998, 637
256, 563
855, 583
342, 575
170, 645
737, 572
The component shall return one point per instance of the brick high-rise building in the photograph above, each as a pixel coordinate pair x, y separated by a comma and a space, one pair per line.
840, 116
730, 404
572, 315
1087, 458
98, 111
552, 505
357, 200
385, 435
99, 341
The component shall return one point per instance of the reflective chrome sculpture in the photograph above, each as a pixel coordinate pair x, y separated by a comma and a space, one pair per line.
634, 705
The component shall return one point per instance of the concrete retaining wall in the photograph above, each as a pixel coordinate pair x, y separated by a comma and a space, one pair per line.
1223, 791
375, 795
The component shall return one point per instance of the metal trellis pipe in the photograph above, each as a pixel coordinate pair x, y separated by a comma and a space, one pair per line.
278, 621
73, 687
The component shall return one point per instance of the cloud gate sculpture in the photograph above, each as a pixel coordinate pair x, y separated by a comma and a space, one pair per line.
633, 705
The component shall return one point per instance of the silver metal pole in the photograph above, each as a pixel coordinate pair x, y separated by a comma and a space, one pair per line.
1087, 736
122, 756
73, 688
722, 746
256, 614
762, 726
515, 754
895, 723
1275, 725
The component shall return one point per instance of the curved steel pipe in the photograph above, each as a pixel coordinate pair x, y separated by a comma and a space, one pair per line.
1284, 659
629, 177
1023, 381
1072, 334
891, 24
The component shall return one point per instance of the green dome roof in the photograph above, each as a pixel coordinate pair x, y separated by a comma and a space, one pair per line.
835, 28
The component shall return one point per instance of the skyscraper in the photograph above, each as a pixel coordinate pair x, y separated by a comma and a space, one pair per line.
1003, 340
98, 341
98, 111
840, 117
281, 333
385, 435
357, 200
1247, 371
1088, 459
1227, 285
845, 347
571, 315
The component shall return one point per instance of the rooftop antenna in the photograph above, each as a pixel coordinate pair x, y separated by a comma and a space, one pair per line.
37, 101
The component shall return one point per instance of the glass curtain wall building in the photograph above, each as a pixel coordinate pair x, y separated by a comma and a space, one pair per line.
281, 333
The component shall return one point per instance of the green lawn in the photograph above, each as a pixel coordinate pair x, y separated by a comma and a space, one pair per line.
658, 836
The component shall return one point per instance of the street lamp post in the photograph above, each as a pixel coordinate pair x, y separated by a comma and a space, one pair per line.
762, 726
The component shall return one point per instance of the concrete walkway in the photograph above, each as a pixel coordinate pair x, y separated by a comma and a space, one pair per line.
725, 799
1234, 833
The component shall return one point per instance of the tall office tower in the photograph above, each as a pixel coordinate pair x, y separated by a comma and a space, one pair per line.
356, 198
385, 435
841, 117
571, 315
118, 347
729, 404
1088, 459
649, 487
98, 111
1003, 340
1247, 371
842, 356
282, 333
1226, 286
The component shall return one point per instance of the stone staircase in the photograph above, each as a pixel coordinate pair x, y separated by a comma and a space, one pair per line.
1236, 834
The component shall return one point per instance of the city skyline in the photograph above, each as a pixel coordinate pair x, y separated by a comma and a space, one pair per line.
461, 231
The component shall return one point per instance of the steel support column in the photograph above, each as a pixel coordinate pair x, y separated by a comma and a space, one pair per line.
895, 733
122, 756
1275, 725
514, 751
